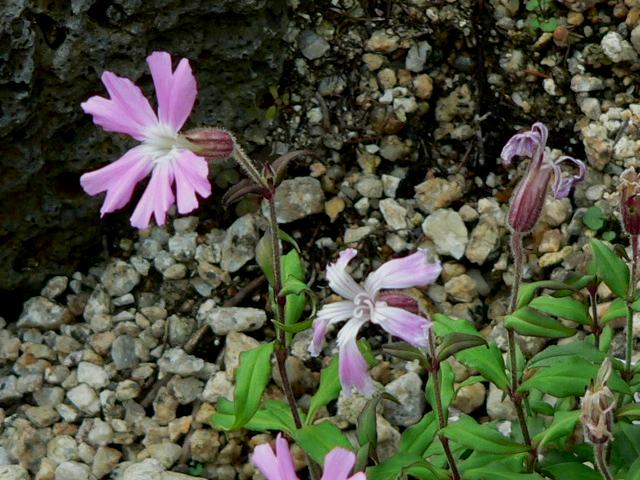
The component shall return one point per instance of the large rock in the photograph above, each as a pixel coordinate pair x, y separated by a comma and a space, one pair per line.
52, 57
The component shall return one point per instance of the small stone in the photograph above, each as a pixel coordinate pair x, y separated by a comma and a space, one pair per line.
448, 232
93, 375
461, 288
55, 287
85, 398
105, 461
470, 397
436, 193
556, 212
13, 472
417, 57
119, 278
127, 390
218, 386
223, 320
423, 86
166, 453
42, 313
185, 390
165, 406
101, 433
390, 185
408, 390
483, 241
180, 426
382, 42
617, 48
497, 408
312, 45
373, 61
49, 396
334, 207
586, 83
551, 241
353, 235
239, 243
204, 445
148, 469
62, 448
185, 224
393, 148
369, 186
183, 246
42, 416
9, 347
175, 360
388, 439
549, 259
387, 78
297, 198
394, 214
176, 271
99, 303
235, 344
123, 352
73, 471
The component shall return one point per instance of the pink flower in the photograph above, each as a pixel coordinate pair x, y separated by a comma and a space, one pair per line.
529, 196
366, 304
165, 154
279, 465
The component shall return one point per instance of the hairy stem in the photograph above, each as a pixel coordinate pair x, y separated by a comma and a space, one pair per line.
630, 299
442, 419
600, 456
518, 261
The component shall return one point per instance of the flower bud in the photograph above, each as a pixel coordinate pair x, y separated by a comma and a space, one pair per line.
597, 407
526, 206
215, 143
630, 201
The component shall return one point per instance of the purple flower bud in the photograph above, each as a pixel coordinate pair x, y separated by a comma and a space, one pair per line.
215, 143
630, 201
530, 194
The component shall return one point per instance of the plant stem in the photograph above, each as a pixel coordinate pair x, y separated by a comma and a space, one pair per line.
518, 260
630, 300
593, 300
442, 419
600, 456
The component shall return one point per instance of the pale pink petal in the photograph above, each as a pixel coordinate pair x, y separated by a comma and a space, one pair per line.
328, 314
411, 328
339, 280
528, 144
156, 199
358, 476
338, 464
118, 179
562, 185
176, 91
414, 270
285, 462
353, 368
127, 110
266, 461
191, 174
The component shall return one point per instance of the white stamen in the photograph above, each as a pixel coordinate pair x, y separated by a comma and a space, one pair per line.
162, 144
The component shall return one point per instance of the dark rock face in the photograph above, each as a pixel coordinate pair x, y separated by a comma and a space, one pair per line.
52, 54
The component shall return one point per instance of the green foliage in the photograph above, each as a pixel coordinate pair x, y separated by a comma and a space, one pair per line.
328, 390
319, 439
593, 218
611, 269
481, 437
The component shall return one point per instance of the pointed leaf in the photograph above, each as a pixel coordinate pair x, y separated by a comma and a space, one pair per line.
417, 438
488, 361
564, 307
527, 321
555, 353
528, 290
318, 440
481, 438
562, 425
453, 343
571, 470
613, 271
446, 388
404, 351
328, 390
617, 309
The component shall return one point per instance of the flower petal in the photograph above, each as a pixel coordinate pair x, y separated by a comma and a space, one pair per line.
339, 280
118, 179
126, 111
176, 91
411, 271
191, 174
408, 326
328, 314
156, 199
353, 368
528, 144
562, 185
285, 462
337, 464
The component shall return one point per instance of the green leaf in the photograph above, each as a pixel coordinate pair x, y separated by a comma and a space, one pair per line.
273, 415
444, 325
555, 353
571, 470
634, 471
328, 390
446, 388
252, 376
264, 257
528, 290
492, 472
417, 438
402, 464
366, 430
606, 337
527, 321
293, 286
472, 380
562, 425
617, 309
453, 343
318, 440
532, 5
488, 361
296, 327
404, 351
625, 448
285, 237
271, 113
613, 271
481, 438
564, 307
549, 25
609, 235
593, 218
631, 411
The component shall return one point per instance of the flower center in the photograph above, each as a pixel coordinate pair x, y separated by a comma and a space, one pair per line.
162, 143
364, 306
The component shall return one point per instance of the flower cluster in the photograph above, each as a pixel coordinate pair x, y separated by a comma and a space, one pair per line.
365, 303
278, 465
170, 158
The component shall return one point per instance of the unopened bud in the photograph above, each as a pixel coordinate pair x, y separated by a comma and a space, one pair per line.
630, 201
597, 407
527, 203
214, 143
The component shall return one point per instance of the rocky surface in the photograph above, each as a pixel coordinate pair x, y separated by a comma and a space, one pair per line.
407, 126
